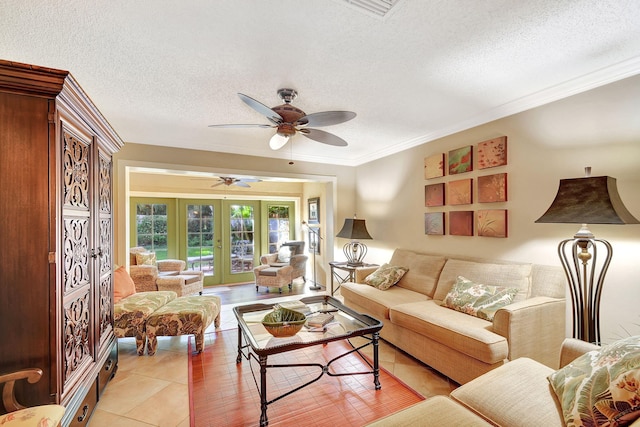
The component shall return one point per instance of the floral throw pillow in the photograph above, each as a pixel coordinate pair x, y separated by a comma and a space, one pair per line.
477, 299
385, 276
146, 258
601, 387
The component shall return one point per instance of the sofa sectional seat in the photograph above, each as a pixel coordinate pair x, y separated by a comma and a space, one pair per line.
474, 337
458, 344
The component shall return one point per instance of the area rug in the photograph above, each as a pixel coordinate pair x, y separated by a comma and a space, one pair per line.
223, 393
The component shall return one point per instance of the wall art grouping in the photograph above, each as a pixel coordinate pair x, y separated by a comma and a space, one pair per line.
491, 188
487, 223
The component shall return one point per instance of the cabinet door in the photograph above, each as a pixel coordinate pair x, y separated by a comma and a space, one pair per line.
76, 261
104, 253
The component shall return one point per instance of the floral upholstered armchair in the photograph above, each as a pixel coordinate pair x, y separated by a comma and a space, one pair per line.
18, 415
150, 274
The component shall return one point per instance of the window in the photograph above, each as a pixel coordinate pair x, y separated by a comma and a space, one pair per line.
151, 228
242, 238
200, 238
279, 226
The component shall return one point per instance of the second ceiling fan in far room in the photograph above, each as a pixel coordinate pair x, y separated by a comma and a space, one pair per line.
289, 120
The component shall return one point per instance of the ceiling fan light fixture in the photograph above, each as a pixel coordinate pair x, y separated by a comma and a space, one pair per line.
278, 141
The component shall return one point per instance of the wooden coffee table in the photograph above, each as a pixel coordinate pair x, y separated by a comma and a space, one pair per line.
255, 342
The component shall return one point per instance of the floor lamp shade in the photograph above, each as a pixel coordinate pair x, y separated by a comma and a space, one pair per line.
354, 229
589, 200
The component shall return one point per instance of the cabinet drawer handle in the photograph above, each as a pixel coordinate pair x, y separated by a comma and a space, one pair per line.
85, 409
108, 365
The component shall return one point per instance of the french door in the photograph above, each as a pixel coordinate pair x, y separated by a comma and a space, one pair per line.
222, 238
218, 237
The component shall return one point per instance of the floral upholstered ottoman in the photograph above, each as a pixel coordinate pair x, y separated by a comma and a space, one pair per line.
183, 316
130, 314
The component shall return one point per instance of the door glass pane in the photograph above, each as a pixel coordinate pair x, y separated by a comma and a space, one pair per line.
200, 238
242, 238
151, 228
278, 226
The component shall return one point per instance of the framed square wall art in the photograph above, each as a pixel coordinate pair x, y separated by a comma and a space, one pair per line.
492, 153
314, 210
460, 192
492, 188
434, 223
434, 195
461, 223
492, 223
434, 166
461, 160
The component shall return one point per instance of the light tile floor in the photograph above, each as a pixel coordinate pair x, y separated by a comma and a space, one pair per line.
153, 390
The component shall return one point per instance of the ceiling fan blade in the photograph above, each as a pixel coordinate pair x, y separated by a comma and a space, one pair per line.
324, 137
278, 141
326, 118
220, 183
261, 108
241, 184
250, 180
241, 126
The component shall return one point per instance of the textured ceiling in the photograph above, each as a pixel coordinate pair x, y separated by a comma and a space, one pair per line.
162, 71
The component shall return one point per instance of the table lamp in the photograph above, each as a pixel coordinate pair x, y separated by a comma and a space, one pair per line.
588, 200
354, 229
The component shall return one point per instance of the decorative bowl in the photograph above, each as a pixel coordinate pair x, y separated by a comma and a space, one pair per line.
283, 322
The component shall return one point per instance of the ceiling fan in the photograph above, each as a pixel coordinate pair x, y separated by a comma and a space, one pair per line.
240, 182
289, 120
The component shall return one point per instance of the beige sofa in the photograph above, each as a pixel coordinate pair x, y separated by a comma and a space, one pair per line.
515, 394
458, 345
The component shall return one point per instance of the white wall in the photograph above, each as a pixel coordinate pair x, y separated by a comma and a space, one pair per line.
599, 128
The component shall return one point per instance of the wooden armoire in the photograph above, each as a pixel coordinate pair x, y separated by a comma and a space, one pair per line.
56, 239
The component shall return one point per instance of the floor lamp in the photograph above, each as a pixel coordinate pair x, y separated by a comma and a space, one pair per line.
588, 200
313, 247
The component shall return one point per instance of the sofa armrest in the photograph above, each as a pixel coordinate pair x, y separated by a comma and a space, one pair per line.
534, 328
171, 265
363, 272
144, 277
573, 348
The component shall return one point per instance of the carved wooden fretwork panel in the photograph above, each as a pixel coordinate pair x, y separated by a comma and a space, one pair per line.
105, 185
106, 319
105, 246
77, 345
75, 247
75, 172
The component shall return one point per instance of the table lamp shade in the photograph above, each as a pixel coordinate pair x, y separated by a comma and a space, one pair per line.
590, 200
354, 229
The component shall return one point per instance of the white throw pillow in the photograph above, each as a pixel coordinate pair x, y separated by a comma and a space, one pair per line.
284, 254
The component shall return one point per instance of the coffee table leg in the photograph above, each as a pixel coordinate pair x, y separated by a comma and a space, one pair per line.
376, 370
239, 357
263, 392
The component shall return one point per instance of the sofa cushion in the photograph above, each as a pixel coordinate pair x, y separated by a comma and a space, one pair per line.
601, 386
515, 394
435, 411
123, 284
423, 270
385, 276
506, 275
467, 334
477, 299
377, 302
